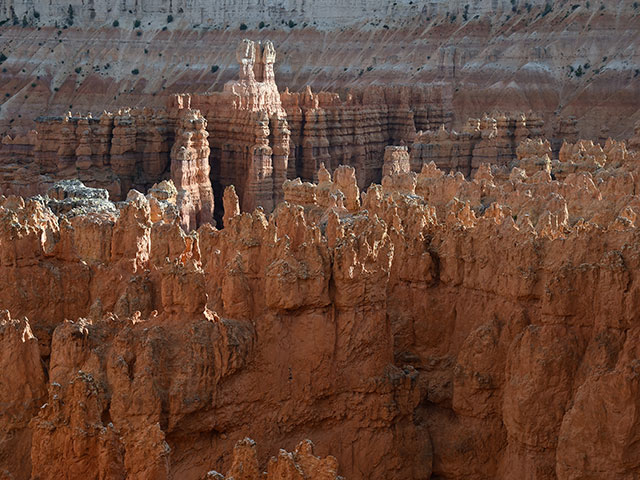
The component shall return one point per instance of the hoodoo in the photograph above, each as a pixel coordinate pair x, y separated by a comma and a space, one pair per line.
306, 241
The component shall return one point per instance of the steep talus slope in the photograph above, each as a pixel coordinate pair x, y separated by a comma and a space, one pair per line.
575, 59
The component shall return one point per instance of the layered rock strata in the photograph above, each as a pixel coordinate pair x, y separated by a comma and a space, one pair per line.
258, 138
492, 139
560, 59
190, 170
117, 152
355, 130
248, 129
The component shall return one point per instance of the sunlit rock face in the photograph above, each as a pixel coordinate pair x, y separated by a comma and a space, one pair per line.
426, 313
414, 257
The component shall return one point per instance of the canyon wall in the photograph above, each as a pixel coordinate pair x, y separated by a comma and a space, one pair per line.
168, 360
493, 139
355, 131
469, 315
574, 59
248, 129
117, 152
327, 14
433, 327
253, 137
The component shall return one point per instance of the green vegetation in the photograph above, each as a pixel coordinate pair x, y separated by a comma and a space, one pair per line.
548, 8
3, 57
135, 71
136, 24
214, 68
70, 15
78, 69
116, 23
243, 26
261, 25
169, 18
292, 24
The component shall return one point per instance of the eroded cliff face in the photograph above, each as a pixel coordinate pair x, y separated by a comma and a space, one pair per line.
471, 316
254, 137
490, 55
145, 371
249, 135
432, 327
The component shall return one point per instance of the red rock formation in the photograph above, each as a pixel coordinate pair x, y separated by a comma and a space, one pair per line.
259, 138
355, 131
396, 160
129, 149
248, 130
434, 326
299, 465
493, 139
23, 391
118, 152
474, 316
190, 170
133, 376
534, 155
489, 54
567, 131
449, 150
